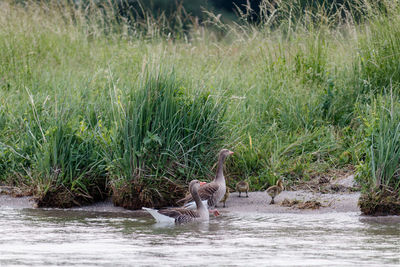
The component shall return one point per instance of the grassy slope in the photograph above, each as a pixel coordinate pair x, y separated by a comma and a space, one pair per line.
296, 106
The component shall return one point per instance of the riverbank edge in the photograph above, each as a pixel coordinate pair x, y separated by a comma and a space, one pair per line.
257, 202
300, 201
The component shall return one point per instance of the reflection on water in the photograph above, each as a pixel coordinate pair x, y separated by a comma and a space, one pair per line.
38, 237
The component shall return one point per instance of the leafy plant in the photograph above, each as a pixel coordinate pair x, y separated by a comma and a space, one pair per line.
164, 135
381, 168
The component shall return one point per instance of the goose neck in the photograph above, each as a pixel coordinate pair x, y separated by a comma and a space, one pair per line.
196, 197
220, 169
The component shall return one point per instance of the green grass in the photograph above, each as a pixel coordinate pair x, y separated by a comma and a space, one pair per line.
381, 125
92, 104
164, 133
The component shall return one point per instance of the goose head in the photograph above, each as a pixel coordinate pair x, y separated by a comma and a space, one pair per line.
224, 153
194, 185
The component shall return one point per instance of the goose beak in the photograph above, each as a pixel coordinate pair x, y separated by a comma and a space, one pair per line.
230, 152
202, 183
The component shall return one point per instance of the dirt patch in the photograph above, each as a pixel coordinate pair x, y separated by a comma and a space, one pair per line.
309, 202
336, 181
135, 195
51, 195
384, 202
299, 204
63, 197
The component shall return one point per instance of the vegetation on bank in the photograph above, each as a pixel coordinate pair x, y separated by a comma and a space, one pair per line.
92, 106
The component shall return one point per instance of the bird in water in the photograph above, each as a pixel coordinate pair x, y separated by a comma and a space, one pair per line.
182, 215
275, 190
243, 186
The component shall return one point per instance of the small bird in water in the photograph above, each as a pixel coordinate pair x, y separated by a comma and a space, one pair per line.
275, 190
243, 186
227, 193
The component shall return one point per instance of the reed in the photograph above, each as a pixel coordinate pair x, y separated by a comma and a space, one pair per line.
165, 133
378, 46
379, 172
381, 126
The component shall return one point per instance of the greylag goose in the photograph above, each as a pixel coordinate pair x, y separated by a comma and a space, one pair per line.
243, 186
182, 215
275, 190
212, 192
227, 193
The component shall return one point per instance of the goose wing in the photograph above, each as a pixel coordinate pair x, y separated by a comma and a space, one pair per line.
208, 190
176, 212
184, 219
181, 215
205, 192
173, 213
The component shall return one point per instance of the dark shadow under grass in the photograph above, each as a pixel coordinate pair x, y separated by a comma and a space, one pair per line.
380, 203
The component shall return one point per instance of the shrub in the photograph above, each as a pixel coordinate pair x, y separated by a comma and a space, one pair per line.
68, 169
164, 137
381, 125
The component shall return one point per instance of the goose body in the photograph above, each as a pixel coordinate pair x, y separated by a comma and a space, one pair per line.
275, 190
192, 205
212, 192
243, 186
160, 218
183, 215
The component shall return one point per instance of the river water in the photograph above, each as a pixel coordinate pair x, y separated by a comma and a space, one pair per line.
37, 237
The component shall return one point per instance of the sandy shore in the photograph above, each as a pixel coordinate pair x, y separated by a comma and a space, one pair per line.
7, 201
257, 202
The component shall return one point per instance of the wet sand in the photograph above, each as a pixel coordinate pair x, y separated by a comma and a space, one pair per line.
7, 201
257, 202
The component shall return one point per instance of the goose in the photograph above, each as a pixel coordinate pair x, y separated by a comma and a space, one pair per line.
211, 192
182, 215
243, 186
227, 193
275, 190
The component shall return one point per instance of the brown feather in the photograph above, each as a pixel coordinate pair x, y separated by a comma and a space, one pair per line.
205, 192
181, 215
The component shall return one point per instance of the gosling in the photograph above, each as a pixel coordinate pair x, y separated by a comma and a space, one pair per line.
227, 193
275, 190
243, 186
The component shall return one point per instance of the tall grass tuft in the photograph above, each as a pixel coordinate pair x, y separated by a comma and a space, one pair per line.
379, 50
380, 172
165, 135
382, 127
66, 168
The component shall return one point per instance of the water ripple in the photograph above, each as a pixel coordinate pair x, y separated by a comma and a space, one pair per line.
76, 238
